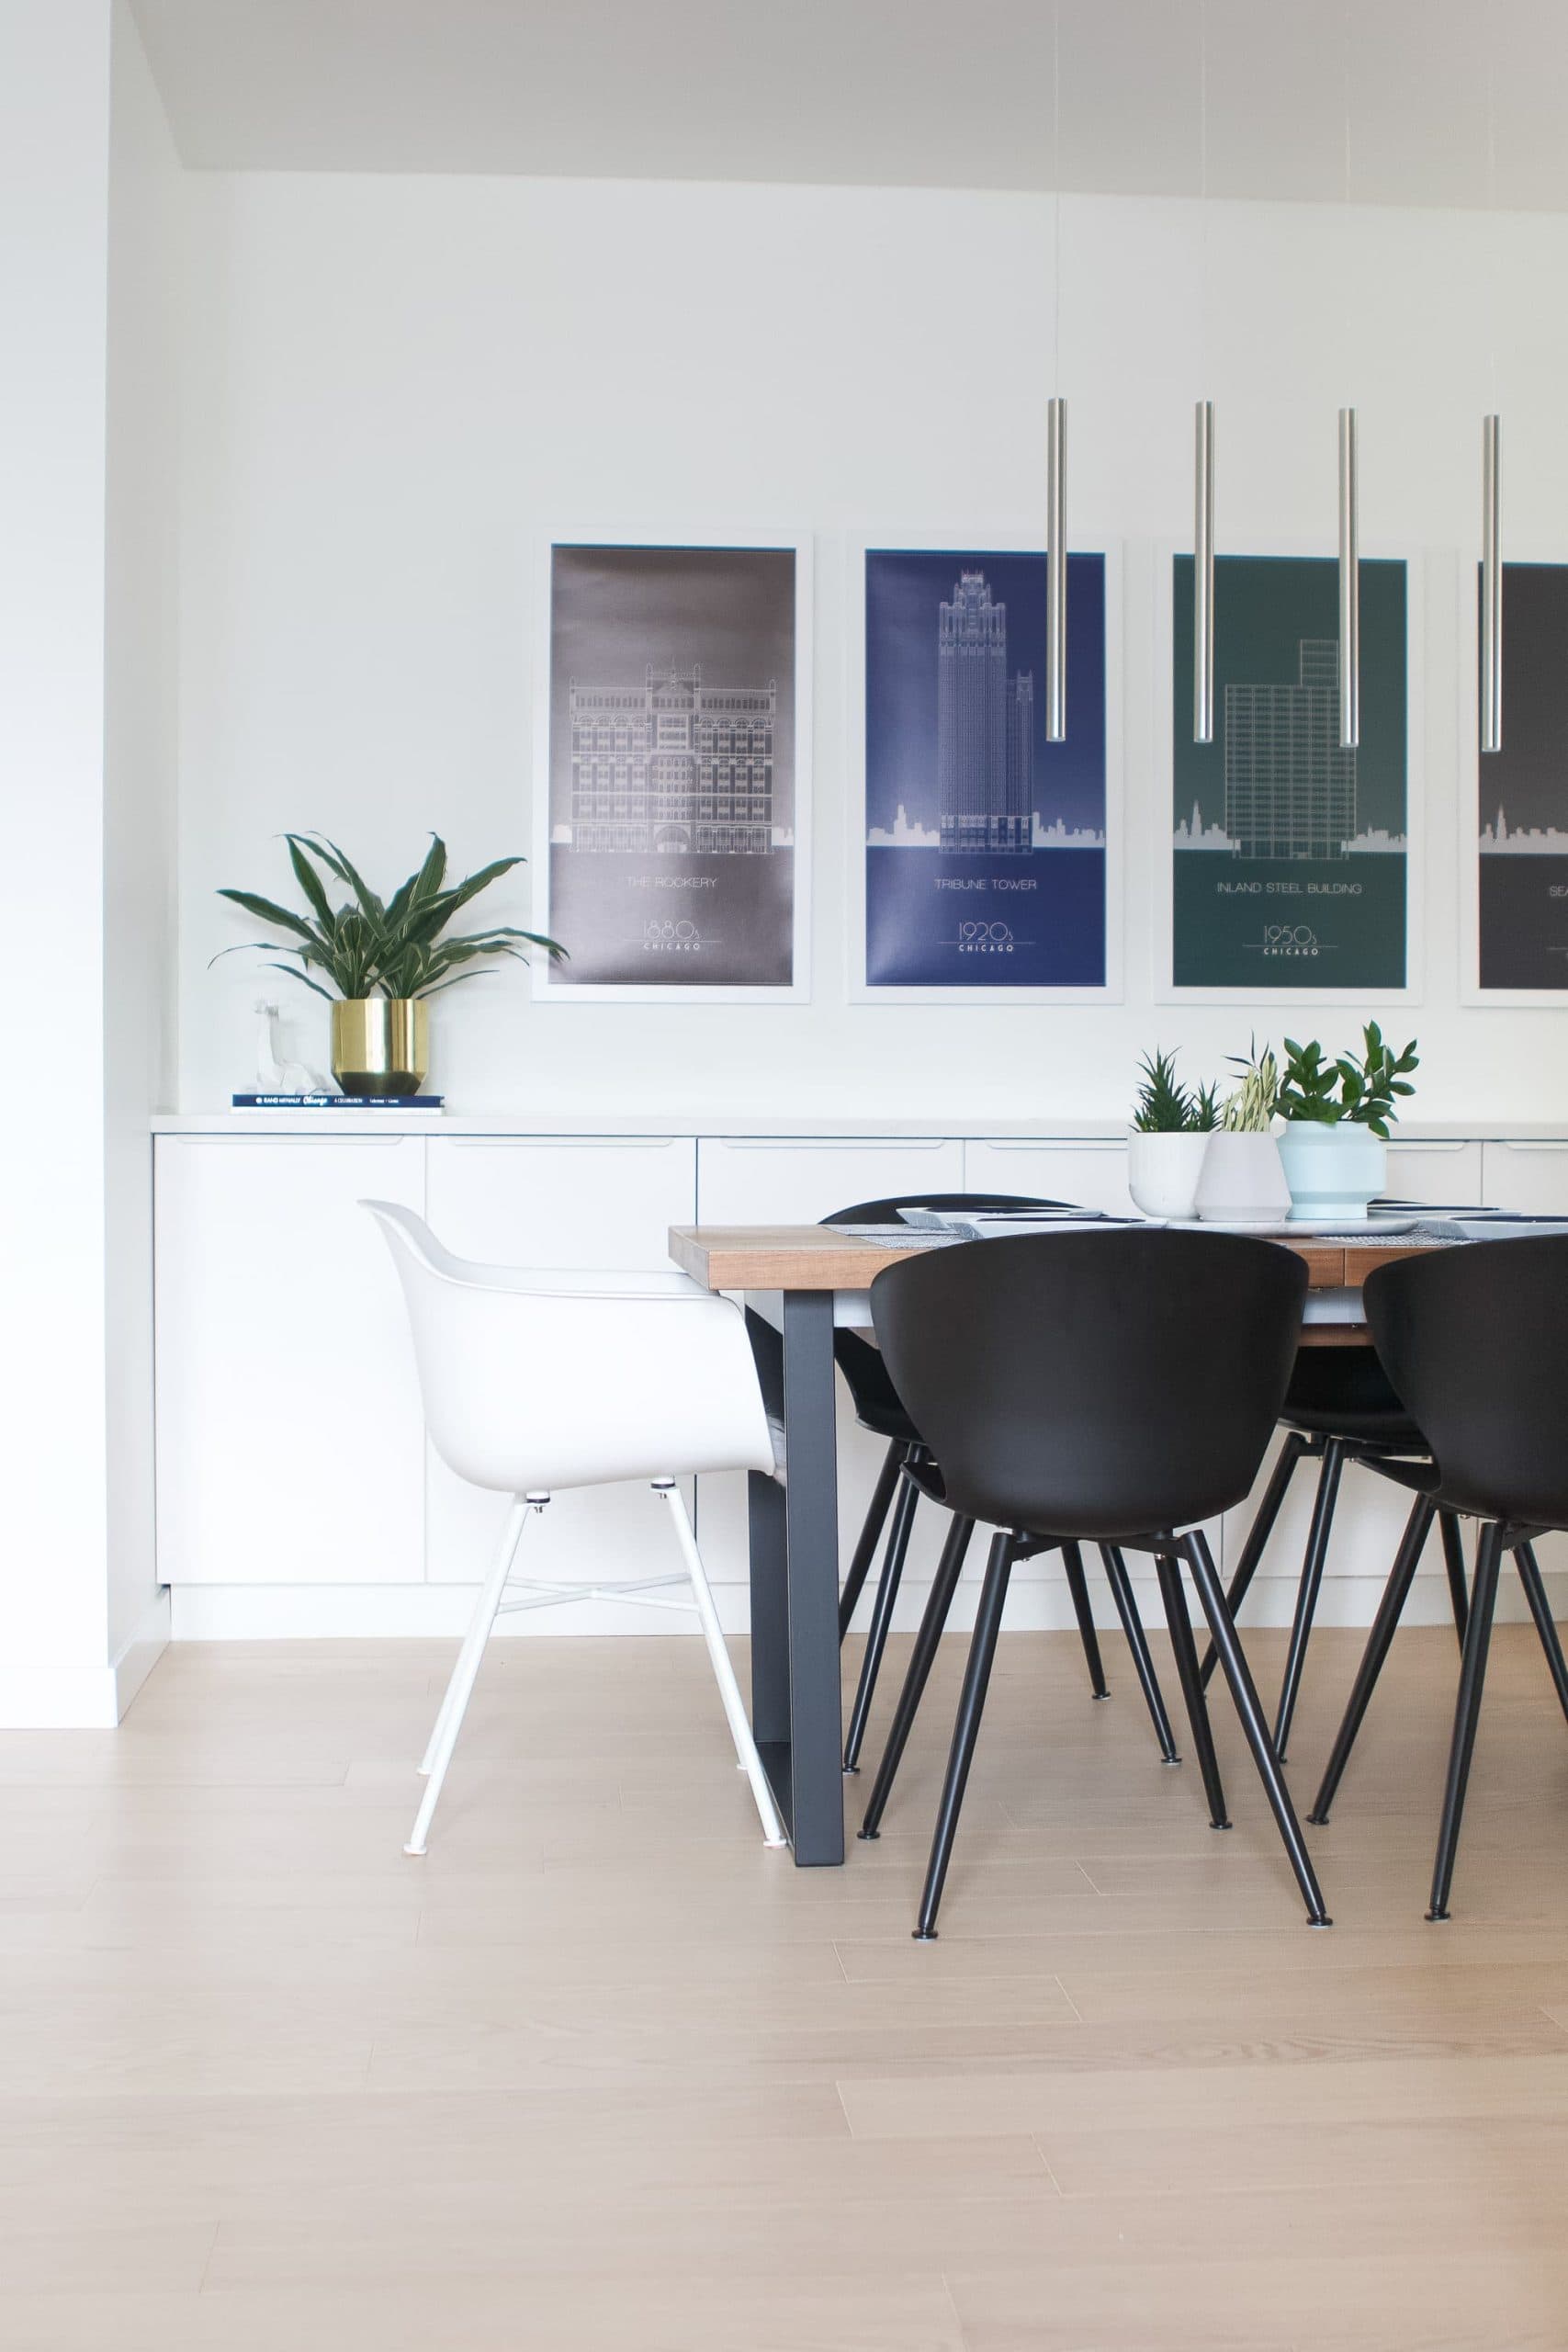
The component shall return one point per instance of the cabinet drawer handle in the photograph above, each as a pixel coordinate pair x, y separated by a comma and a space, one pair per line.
560, 1143
826, 1143
205, 1143
1045, 1143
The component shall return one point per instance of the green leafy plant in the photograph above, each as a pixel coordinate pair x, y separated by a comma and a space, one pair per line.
1365, 1091
1249, 1110
371, 946
1165, 1106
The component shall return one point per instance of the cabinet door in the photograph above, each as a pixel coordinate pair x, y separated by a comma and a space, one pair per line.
1529, 1176
776, 1182
1447, 1174
567, 1200
291, 1437
1092, 1174
766, 1183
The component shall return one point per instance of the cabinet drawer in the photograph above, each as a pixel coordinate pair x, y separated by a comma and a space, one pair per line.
1529, 1176
742, 1181
1092, 1174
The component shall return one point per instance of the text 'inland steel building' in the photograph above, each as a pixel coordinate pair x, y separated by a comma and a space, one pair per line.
674, 766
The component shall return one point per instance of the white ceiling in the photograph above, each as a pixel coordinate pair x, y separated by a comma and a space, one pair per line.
921, 93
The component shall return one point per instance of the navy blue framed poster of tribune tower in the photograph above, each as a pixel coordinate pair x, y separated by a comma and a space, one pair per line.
984, 844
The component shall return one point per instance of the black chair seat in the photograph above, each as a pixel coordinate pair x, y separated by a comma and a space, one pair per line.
1345, 1393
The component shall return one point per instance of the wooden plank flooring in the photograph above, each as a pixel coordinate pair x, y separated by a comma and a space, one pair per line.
600, 2072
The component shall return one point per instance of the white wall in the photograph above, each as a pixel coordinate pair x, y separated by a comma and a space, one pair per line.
54, 102
394, 384
88, 481
140, 764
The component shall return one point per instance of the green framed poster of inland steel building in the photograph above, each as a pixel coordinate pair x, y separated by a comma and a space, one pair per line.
1291, 854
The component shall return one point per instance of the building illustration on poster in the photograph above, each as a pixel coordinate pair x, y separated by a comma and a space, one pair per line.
1291, 848
1521, 809
985, 846
672, 766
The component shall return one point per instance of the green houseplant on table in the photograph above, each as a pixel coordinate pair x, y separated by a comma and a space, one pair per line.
378, 961
1338, 1116
1170, 1134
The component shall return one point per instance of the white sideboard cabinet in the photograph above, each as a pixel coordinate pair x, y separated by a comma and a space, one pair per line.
290, 1443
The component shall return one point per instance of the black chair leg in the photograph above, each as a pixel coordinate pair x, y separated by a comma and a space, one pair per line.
1541, 1609
887, 1584
1310, 1586
1257, 1535
1384, 1625
1178, 1624
1238, 1674
1453, 1560
871, 1532
970, 1706
1078, 1585
938, 1604
1138, 1644
1467, 1713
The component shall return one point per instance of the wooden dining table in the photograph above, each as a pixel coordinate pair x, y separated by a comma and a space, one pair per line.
799, 1282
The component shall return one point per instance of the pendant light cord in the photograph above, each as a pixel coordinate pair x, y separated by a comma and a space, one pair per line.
1056, 200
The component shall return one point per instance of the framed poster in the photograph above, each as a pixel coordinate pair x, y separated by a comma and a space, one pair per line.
1514, 852
1291, 859
981, 854
671, 778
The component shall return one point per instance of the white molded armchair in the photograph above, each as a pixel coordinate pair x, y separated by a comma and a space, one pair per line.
534, 1381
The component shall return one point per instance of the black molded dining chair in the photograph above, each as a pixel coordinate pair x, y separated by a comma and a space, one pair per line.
907, 1472
1116, 1388
1341, 1407
1473, 1339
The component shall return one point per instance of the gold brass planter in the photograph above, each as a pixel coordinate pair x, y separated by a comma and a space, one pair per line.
381, 1043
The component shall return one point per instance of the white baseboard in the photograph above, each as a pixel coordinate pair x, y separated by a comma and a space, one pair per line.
338, 1613
84, 1698
149, 1640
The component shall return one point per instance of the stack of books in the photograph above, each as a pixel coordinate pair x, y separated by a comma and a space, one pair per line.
433, 1103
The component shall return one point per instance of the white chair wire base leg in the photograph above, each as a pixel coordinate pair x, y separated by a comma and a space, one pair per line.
724, 1672
454, 1705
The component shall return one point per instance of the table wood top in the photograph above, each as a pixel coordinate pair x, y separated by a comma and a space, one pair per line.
823, 1257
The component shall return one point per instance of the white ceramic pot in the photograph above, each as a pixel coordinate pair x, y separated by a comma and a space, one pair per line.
1163, 1173
1242, 1181
1333, 1172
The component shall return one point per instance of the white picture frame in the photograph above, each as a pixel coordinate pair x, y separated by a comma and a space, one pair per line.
549, 983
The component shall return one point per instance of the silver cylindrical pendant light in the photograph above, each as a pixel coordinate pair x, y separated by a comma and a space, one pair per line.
1490, 584
1203, 575
1350, 587
1056, 572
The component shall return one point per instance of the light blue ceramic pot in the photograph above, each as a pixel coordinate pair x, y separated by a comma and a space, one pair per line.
1333, 1172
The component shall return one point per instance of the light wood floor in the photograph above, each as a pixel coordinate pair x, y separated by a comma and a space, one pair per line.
603, 2072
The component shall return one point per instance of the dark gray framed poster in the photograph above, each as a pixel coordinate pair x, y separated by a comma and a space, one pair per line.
1290, 856
672, 750
1517, 820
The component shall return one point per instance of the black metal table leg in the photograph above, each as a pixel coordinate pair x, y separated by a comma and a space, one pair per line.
795, 1582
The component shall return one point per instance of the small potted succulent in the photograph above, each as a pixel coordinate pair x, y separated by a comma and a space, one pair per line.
1243, 1180
1335, 1147
1170, 1134
376, 961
